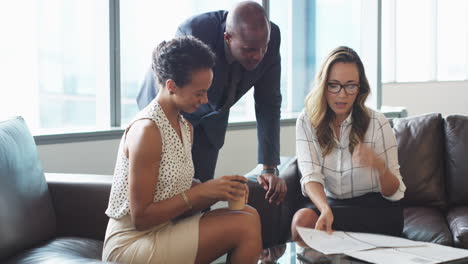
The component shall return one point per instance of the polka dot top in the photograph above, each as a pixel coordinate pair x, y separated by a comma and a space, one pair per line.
176, 167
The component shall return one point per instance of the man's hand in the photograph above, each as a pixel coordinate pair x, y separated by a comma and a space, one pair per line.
275, 187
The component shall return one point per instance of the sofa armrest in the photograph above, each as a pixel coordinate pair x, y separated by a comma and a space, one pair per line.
294, 199
276, 220
457, 218
270, 214
80, 201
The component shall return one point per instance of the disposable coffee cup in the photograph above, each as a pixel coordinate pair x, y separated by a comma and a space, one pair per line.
239, 203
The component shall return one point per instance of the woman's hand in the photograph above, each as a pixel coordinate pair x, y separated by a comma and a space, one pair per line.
195, 182
225, 188
366, 157
325, 220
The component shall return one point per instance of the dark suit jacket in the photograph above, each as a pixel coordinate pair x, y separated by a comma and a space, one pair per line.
210, 27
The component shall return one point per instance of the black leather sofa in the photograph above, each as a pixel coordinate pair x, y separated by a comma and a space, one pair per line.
52, 218
59, 218
433, 156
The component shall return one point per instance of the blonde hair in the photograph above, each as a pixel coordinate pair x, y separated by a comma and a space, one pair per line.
321, 115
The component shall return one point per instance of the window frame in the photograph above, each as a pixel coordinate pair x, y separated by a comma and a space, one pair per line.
115, 130
391, 72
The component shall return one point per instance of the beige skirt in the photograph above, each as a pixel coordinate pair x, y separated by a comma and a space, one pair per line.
171, 242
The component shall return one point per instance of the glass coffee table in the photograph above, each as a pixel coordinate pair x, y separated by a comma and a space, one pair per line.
293, 253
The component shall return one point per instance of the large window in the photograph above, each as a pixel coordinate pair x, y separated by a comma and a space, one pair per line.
55, 62
424, 40
308, 34
144, 24
310, 29
79, 64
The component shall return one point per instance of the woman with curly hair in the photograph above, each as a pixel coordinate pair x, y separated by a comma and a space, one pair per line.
154, 206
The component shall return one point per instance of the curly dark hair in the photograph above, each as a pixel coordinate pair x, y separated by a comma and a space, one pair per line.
176, 59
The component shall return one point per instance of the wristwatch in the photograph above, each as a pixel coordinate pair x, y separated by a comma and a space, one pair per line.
273, 171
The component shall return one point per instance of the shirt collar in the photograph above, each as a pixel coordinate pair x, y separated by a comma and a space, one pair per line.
348, 119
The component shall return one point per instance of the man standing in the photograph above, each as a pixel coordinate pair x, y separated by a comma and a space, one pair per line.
247, 46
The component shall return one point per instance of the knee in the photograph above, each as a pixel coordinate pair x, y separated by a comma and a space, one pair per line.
252, 212
245, 224
305, 218
252, 218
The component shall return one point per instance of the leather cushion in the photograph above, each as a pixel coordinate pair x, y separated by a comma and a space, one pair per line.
77, 197
458, 222
270, 214
276, 220
26, 212
456, 137
62, 250
421, 156
426, 224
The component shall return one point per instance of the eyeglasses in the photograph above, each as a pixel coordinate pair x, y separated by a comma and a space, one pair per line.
351, 88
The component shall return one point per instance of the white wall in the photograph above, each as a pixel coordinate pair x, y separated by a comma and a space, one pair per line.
419, 98
238, 156
239, 153
94, 157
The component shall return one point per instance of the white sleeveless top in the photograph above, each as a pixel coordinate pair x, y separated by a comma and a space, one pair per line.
176, 166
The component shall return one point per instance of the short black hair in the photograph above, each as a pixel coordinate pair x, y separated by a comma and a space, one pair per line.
178, 58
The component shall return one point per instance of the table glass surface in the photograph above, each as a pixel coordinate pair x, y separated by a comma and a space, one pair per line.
288, 254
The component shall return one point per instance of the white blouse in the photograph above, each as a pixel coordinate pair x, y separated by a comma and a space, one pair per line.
176, 167
337, 172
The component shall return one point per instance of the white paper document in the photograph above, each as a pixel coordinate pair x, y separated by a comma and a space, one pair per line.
389, 256
341, 242
379, 249
336, 243
429, 254
437, 252
382, 241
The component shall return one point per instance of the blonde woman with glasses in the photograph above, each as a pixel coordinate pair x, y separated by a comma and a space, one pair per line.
347, 155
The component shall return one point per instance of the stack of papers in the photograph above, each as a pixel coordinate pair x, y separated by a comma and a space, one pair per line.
379, 249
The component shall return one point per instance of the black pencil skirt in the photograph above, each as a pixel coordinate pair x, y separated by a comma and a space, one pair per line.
370, 213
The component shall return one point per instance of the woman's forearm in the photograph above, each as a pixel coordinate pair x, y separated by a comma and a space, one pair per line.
389, 183
198, 201
159, 212
202, 203
316, 194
